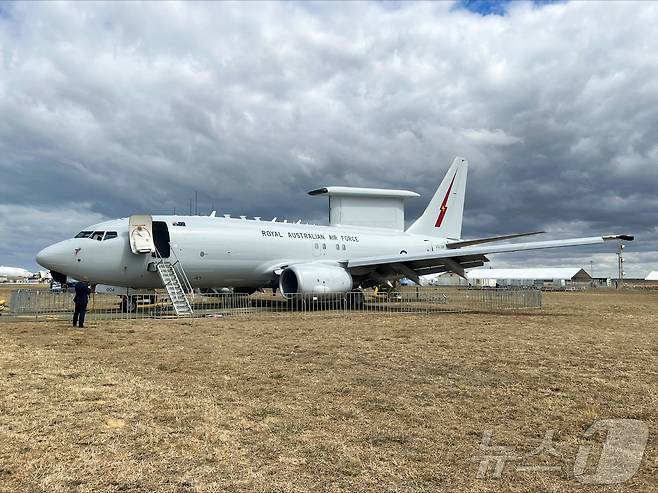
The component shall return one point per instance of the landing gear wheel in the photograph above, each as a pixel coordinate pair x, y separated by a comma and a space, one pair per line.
354, 300
128, 304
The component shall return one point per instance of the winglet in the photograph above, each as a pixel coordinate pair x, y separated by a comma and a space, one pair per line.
619, 237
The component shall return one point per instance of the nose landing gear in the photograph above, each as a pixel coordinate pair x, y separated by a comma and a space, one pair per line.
128, 304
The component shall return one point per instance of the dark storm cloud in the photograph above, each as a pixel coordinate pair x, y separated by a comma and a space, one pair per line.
111, 109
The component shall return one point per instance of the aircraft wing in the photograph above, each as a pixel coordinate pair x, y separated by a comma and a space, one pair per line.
478, 241
455, 259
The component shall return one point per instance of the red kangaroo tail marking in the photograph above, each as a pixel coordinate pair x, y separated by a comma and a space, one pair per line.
444, 204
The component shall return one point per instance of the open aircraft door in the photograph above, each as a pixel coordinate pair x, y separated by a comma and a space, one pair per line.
141, 234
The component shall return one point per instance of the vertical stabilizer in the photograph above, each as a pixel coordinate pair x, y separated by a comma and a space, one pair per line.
443, 216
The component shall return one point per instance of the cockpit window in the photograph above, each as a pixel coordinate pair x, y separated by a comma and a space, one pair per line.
97, 235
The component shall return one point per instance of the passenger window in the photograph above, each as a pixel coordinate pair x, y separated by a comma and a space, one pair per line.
343, 246
337, 246
97, 235
316, 246
83, 234
110, 234
324, 246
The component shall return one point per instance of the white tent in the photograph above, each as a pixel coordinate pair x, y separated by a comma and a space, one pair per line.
653, 276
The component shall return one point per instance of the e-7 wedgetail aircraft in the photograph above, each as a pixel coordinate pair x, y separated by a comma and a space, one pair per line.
365, 244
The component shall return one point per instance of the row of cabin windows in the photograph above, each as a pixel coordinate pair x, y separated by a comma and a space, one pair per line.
97, 235
324, 246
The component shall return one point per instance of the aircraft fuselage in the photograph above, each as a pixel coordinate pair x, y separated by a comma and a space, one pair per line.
218, 251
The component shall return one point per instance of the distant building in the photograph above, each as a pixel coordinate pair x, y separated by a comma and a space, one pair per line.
549, 277
444, 279
653, 276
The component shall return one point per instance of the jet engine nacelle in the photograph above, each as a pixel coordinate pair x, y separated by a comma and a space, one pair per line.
314, 279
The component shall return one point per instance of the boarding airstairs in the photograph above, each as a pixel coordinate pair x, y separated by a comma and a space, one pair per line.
152, 237
176, 283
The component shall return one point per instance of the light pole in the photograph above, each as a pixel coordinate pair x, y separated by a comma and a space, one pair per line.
620, 264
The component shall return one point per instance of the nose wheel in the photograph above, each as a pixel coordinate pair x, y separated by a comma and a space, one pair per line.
128, 304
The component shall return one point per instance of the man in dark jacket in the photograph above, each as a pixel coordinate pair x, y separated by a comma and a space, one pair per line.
82, 292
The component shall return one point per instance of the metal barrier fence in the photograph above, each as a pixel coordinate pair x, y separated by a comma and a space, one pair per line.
42, 303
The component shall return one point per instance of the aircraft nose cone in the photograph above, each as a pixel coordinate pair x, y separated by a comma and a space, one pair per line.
52, 257
44, 257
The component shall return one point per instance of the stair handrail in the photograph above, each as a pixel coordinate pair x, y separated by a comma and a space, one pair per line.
186, 282
187, 286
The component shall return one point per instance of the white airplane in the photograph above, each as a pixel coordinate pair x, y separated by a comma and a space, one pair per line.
14, 274
365, 244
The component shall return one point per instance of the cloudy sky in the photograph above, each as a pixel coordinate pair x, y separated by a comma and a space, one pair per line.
111, 109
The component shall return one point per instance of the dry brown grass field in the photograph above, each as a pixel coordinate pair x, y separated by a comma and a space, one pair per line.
322, 402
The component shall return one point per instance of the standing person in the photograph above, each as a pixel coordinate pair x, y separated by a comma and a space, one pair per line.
82, 292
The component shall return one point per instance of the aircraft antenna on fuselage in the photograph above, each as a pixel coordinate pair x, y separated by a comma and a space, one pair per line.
369, 207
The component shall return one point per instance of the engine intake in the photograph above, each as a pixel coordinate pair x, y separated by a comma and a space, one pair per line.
314, 279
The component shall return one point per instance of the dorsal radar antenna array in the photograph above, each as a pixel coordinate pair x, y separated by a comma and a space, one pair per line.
260, 218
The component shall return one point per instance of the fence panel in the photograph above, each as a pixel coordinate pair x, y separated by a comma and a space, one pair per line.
42, 303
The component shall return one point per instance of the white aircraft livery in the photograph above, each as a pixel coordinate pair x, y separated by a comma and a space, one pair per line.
365, 244
14, 273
